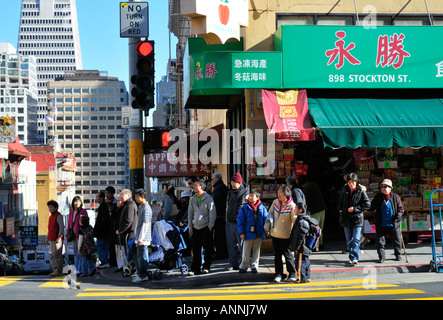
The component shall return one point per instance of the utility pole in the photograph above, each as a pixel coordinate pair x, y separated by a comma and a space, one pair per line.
136, 166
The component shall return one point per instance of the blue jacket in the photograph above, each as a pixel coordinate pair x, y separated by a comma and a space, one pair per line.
246, 219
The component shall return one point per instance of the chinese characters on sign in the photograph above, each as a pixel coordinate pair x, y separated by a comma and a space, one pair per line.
390, 51
165, 164
341, 51
341, 57
253, 70
210, 71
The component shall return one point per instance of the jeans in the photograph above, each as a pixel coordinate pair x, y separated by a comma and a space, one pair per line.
353, 235
129, 248
233, 243
77, 256
87, 264
305, 270
103, 250
141, 259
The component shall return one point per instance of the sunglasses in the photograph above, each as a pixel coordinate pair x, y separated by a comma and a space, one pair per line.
384, 187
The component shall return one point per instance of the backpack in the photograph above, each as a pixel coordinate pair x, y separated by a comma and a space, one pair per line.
313, 234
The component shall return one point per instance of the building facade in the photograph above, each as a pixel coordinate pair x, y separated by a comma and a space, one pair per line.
18, 92
89, 126
49, 32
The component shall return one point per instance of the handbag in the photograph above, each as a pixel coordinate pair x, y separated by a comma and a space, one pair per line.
70, 235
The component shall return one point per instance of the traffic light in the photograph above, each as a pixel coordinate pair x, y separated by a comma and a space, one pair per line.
143, 81
156, 139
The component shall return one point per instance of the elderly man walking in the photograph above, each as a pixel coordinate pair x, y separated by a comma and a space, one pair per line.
388, 211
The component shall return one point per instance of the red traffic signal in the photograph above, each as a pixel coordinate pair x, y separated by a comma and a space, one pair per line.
143, 48
165, 139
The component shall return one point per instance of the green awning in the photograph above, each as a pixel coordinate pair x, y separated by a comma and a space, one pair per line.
382, 123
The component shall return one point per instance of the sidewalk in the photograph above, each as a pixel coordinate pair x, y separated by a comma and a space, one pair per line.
330, 264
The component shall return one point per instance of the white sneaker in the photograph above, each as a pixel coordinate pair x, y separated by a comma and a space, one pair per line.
354, 262
277, 279
137, 279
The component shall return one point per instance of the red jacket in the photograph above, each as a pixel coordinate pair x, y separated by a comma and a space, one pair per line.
53, 227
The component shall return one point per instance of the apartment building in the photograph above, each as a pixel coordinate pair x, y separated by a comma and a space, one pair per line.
88, 125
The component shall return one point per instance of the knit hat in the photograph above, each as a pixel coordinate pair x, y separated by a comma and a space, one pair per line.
185, 194
386, 182
237, 178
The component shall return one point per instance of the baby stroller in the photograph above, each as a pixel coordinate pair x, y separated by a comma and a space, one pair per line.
166, 245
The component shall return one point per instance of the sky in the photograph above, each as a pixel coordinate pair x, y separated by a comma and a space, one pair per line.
99, 26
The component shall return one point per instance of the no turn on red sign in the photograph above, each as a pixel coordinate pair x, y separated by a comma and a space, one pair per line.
134, 19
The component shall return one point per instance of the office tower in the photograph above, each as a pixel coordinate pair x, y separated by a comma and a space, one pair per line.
89, 125
18, 92
49, 32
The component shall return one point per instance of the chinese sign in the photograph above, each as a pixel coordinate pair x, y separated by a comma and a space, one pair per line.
286, 114
29, 237
7, 129
355, 57
226, 70
222, 18
167, 165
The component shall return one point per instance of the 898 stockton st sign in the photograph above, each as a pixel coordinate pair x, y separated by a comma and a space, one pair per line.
355, 57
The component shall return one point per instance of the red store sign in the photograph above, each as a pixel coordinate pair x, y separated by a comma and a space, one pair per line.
166, 165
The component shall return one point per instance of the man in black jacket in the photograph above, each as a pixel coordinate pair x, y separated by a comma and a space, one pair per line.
235, 200
388, 211
219, 195
128, 220
102, 230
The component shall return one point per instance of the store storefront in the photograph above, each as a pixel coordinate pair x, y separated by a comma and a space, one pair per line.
374, 99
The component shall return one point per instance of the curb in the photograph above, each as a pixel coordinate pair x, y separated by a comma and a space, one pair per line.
264, 276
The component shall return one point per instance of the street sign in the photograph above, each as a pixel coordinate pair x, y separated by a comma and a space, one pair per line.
130, 117
134, 19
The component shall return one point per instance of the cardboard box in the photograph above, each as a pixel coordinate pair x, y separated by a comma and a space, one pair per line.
412, 203
387, 164
419, 221
427, 199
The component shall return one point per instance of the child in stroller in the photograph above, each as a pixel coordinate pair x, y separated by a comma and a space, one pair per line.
166, 244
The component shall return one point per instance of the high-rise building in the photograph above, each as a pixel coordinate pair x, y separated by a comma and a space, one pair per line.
49, 32
18, 92
89, 126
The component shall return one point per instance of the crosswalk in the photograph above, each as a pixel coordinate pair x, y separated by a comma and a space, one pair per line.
348, 288
323, 289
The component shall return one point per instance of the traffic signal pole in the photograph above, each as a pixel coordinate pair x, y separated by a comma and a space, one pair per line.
136, 166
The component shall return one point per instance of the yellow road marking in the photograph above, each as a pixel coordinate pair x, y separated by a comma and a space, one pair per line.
299, 295
8, 280
227, 292
55, 283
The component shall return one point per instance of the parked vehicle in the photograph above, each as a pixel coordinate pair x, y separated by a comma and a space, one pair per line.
17, 267
6, 263
37, 262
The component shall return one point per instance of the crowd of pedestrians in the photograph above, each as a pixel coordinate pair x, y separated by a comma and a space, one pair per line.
222, 223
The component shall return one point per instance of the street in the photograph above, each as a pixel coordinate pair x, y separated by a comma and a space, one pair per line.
383, 287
